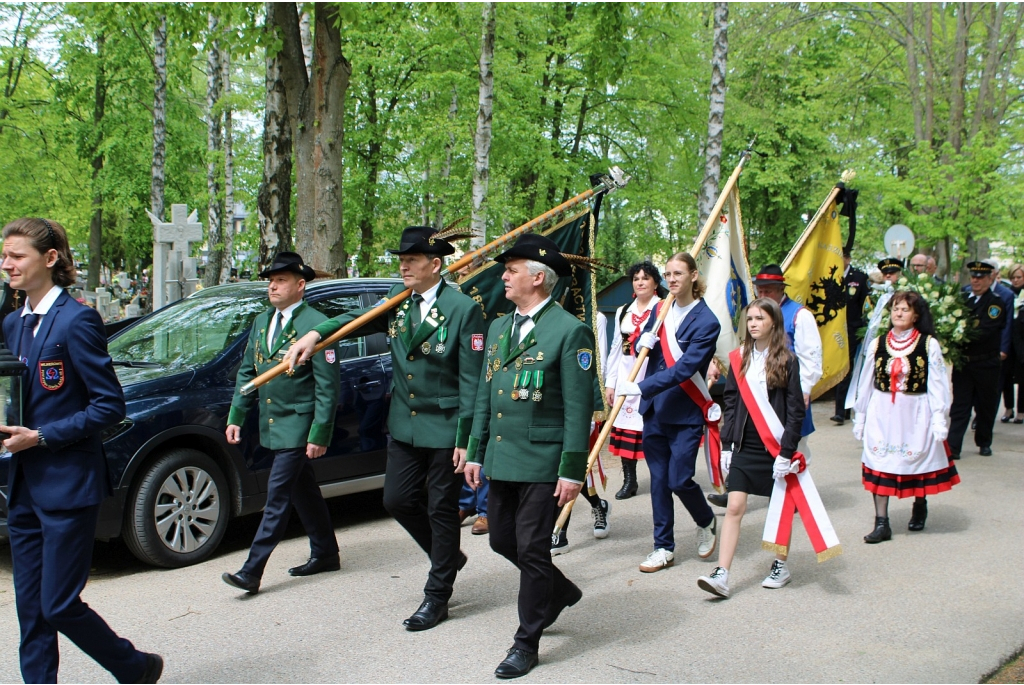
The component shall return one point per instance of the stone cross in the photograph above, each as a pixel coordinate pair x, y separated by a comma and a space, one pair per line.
171, 244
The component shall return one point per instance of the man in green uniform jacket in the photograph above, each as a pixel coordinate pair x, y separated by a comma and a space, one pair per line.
437, 343
296, 414
531, 429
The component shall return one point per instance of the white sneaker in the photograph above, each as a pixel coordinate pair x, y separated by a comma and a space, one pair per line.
778, 577
600, 513
707, 538
657, 560
716, 583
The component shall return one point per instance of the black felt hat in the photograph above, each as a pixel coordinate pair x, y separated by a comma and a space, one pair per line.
539, 249
770, 274
423, 240
979, 268
289, 261
890, 265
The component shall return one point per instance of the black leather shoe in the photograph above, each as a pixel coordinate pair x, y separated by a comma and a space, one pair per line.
462, 560
153, 670
518, 663
558, 603
881, 533
955, 456
427, 616
838, 419
985, 451
719, 500
242, 581
316, 565
918, 515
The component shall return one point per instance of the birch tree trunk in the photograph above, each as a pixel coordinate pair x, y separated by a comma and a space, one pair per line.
716, 115
228, 261
96, 223
156, 186
215, 211
482, 138
274, 199
306, 36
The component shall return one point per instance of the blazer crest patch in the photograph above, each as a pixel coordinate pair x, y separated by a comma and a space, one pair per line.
478, 342
330, 356
994, 311
585, 358
51, 374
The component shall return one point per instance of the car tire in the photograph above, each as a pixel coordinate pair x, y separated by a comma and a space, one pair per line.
178, 513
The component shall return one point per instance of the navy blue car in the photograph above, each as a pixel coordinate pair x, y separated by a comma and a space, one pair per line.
177, 482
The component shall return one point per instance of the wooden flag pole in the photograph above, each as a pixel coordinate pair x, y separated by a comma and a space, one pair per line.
608, 183
642, 355
845, 177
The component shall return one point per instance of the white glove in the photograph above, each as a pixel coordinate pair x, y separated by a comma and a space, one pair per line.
858, 431
628, 389
781, 467
647, 341
726, 460
939, 428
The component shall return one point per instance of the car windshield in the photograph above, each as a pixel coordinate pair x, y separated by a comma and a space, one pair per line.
188, 334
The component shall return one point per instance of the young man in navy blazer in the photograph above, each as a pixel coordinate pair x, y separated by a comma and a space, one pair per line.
673, 422
58, 473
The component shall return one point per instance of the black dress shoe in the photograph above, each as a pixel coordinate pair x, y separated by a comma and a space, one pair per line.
719, 500
427, 616
918, 515
153, 670
462, 560
518, 663
242, 581
558, 603
838, 419
316, 565
985, 451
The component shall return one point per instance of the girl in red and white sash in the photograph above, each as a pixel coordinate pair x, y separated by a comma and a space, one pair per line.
901, 411
627, 430
767, 363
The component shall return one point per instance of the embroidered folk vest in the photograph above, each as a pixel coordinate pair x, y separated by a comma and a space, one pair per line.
916, 363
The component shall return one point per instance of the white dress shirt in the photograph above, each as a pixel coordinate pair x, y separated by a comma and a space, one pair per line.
286, 316
527, 326
44, 305
429, 298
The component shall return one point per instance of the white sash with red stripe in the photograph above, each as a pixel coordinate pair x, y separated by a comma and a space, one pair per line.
697, 390
796, 493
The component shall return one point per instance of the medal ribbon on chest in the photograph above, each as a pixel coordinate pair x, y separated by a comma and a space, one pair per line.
442, 335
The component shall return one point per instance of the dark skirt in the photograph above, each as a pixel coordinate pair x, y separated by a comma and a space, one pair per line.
626, 443
751, 472
909, 485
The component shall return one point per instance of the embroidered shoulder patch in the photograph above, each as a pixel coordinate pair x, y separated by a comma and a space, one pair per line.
994, 311
585, 358
478, 342
330, 356
51, 374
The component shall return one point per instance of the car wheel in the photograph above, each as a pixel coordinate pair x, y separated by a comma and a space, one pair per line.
179, 511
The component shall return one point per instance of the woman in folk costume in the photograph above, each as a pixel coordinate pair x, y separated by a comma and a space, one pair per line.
627, 430
768, 364
901, 413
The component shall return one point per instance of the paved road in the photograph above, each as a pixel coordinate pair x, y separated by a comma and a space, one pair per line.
945, 605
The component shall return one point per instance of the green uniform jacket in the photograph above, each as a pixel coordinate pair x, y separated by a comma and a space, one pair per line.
297, 409
546, 436
435, 368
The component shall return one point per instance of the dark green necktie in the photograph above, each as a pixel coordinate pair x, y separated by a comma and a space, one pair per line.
517, 325
414, 315
278, 325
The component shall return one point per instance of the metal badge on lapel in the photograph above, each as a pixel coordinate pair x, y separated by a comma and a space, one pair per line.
51, 374
540, 356
519, 363
425, 348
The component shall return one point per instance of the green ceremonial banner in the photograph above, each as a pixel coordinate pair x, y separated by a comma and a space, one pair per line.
575, 293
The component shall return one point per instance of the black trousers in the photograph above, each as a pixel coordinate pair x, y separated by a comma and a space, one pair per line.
975, 386
521, 519
844, 385
292, 483
431, 514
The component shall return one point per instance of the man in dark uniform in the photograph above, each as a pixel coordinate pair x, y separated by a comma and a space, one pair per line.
856, 286
297, 429
437, 340
531, 430
976, 375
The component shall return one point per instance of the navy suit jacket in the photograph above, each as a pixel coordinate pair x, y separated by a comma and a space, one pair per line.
72, 394
697, 337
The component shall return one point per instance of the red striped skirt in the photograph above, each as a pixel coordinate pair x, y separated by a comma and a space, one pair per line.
626, 443
909, 485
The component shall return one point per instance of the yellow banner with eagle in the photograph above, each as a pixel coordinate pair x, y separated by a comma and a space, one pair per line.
814, 278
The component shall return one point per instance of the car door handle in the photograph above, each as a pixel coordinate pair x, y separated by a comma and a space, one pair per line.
367, 384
